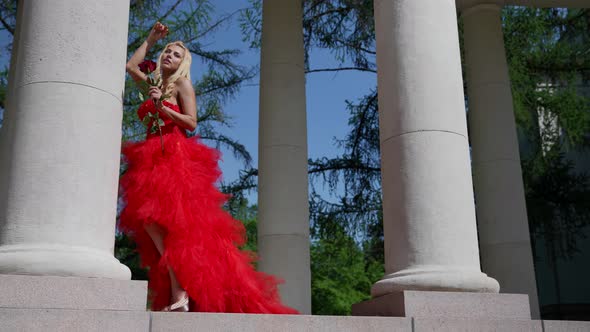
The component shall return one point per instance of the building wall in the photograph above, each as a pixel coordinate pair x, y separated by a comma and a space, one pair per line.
564, 289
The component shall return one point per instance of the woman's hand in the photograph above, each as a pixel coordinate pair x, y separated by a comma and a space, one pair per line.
155, 93
158, 32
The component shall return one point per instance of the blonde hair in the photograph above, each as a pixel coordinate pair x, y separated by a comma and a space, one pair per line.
184, 68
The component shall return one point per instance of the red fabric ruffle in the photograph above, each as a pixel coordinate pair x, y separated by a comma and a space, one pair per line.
177, 190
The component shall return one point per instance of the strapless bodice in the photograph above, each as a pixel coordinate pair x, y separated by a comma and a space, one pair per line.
148, 106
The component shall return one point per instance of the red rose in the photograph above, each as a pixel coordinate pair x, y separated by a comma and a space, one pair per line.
147, 66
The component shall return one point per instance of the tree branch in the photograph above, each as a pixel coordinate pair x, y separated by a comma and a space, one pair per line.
170, 10
340, 69
7, 26
366, 109
325, 168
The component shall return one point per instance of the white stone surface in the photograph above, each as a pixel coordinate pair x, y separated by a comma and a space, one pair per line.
429, 216
283, 212
45, 320
103, 320
565, 326
479, 325
289, 253
60, 148
180, 322
499, 191
50, 292
420, 304
530, 3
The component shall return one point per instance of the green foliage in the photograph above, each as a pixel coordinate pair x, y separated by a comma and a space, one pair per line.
548, 56
557, 198
251, 23
354, 176
7, 26
8, 18
242, 210
345, 27
341, 275
549, 62
126, 254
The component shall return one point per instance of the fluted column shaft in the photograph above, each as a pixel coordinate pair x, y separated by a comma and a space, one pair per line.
283, 212
60, 144
506, 253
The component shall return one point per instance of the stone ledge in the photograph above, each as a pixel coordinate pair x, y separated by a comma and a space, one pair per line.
446, 304
33, 320
65, 320
565, 326
49, 292
479, 325
180, 322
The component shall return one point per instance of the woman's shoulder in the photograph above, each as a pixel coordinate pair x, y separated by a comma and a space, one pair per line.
183, 86
183, 82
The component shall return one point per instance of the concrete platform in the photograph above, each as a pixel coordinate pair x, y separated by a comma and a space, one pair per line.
419, 304
180, 322
66, 320
40, 292
31, 303
563, 326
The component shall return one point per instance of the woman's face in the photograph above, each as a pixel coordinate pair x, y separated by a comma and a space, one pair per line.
172, 58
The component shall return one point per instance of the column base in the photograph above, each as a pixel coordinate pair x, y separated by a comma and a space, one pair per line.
60, 260
435, 279
446, 305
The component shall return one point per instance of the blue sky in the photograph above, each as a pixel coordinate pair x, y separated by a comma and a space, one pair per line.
326, 93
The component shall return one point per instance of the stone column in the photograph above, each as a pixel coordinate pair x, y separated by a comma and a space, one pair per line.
283, 212
428, 208
500, 202
60, 144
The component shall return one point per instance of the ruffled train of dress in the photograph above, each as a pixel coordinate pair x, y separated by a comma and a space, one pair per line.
177, 190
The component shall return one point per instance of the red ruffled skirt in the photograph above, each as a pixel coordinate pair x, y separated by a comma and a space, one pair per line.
177, 190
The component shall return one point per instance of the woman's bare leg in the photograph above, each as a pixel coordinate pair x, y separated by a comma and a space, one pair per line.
157, 234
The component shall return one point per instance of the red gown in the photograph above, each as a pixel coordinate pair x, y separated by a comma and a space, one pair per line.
177, 190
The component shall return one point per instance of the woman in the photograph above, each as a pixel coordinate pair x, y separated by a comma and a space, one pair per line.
173, 209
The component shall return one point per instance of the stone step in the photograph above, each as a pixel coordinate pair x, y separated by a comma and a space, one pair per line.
165, 321
39, 292
45, 303
66, 320
430, 304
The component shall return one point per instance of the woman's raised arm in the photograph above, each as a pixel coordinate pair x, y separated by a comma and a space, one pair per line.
158, 32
